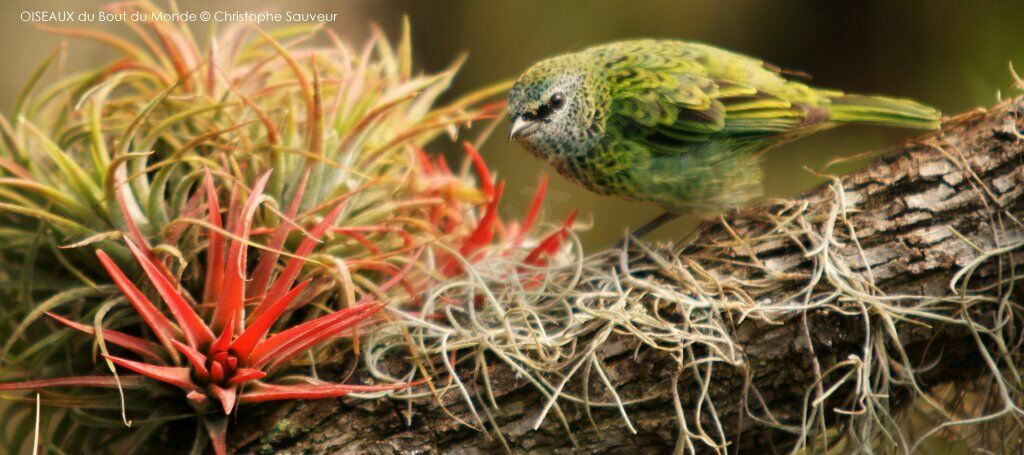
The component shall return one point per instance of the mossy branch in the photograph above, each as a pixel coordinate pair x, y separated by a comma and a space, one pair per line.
890, 289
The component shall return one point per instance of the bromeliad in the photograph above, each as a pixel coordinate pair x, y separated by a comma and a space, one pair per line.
228, 355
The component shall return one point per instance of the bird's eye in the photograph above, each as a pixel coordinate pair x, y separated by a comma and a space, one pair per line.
557, 101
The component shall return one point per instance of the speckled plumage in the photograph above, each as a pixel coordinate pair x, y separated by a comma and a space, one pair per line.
677, 124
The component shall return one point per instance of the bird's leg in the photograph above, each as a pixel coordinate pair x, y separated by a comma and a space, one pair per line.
647, 228
685, 242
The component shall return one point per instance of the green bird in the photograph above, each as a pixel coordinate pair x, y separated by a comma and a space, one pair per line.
680, 125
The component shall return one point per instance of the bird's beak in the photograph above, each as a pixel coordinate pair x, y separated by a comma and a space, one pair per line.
521, 128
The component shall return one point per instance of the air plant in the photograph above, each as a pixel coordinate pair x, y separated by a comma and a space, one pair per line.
489, 230
325, 139
227, 354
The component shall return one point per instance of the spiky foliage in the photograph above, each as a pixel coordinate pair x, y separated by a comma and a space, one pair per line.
229, 354
121, 159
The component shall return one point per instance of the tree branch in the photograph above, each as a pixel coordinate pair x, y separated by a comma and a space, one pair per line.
836, 310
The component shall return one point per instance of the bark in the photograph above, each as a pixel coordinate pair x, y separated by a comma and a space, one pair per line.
913, 205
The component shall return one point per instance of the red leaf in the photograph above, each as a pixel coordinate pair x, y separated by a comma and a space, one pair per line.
229, 306
246, 375
296, 339
484, 232
260, 392
260, 279
531, 214
486, 182
291, 271
196, 358
280, 347
196, 332
162, 327
215, 250
223, 341
135, 344
551, 243
242, 346
216, 372
176, 376
226, 395
442, 165
424, 160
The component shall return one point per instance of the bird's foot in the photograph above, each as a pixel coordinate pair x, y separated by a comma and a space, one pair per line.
645, 229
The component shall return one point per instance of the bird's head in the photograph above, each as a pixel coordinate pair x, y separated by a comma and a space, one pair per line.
557, 106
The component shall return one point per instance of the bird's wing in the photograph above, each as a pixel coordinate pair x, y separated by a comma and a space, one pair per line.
669, 104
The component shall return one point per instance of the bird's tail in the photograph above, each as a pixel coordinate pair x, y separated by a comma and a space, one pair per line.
879, 110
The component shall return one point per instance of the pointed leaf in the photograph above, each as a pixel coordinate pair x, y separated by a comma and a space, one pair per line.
196, 358
122, 194
229, 306
223, 342
291, 271
105, 382
226, 396
299, 338
268, 258
281, 347
486, 180
176, 376
260, 392
135, 344
162, 327
215, 250
246, 375
242, 346
484, 232
196, 332
551, 243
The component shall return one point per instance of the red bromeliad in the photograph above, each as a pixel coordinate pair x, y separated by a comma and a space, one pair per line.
490, 224
227, 356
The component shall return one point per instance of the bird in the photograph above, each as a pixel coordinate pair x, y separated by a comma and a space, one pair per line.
676, 124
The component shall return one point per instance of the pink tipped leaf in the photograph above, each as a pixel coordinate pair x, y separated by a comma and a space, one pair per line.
162, 327
531, 214
223, 342
215, 250
243, 345
229, 306
196, 332
176, 376
134, 344
486, 181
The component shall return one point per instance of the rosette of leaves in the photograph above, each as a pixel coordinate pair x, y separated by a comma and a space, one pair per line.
119, 154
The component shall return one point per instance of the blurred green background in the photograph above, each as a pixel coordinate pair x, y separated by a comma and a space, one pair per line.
947, 53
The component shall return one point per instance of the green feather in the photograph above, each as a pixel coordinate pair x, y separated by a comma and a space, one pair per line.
680, 124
